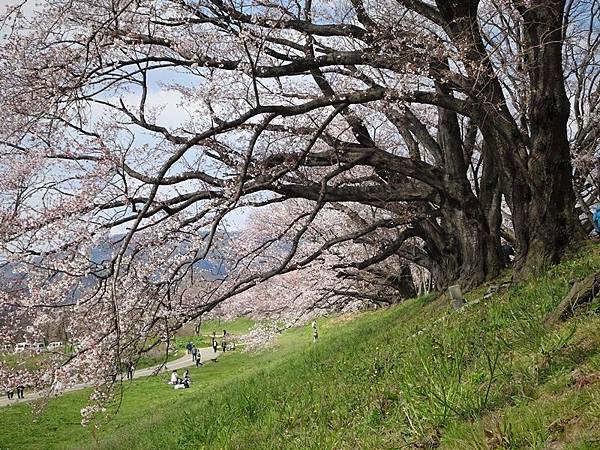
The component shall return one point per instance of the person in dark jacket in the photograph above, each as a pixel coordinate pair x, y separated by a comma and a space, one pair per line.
130, 370
507, 252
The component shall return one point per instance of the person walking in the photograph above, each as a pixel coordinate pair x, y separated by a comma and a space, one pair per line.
315, 332
20, 391
194, 353
189, 346
130, 370
224, 341
214, 344
9, 387
198, 358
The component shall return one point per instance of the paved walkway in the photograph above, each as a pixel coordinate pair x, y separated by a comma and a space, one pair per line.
185, 361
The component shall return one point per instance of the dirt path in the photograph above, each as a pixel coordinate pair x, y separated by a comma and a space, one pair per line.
181, 363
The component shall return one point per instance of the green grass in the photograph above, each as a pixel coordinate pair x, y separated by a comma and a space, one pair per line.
235, 328
155, 356
23, 360
413, 376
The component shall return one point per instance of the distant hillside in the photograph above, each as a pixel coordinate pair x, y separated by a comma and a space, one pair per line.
11, 279
104, 252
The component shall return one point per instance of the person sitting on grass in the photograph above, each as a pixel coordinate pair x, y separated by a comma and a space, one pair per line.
185, 383
174, 378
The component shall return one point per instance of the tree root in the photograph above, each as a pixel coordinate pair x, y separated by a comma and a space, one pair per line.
582, 293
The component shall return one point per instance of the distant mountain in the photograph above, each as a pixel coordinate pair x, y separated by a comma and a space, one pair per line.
12, 280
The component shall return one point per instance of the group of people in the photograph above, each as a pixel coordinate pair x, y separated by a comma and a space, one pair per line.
195, 352
20, 389
180, 383
225, 344
14, 385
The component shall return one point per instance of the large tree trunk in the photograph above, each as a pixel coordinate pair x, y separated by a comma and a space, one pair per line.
535, 167
490, 195
462, 249
476, 249
479, 253
549, 223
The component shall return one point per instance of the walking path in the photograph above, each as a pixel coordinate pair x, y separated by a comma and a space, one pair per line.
185, 361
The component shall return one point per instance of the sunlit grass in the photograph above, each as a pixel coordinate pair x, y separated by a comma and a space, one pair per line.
415, 375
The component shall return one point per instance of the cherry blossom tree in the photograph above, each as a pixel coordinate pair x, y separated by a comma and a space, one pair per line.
139, 134
325, 277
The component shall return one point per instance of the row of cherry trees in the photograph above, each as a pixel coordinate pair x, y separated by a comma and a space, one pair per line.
161, 157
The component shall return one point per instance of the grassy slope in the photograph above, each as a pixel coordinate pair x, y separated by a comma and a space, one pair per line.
491, 376
157, 355
235, 328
